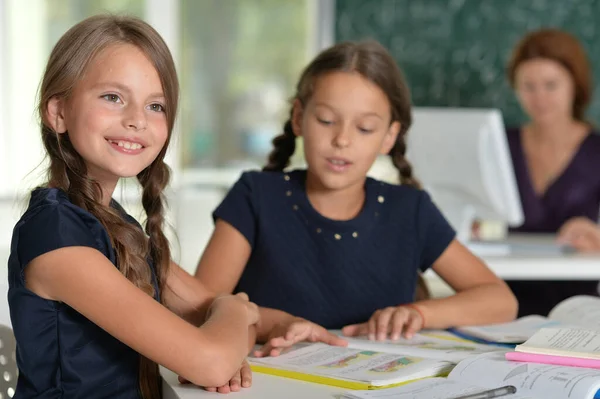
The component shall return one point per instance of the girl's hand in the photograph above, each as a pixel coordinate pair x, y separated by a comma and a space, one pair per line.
225, 303
580, 233
286, 335
396, 321
241, 379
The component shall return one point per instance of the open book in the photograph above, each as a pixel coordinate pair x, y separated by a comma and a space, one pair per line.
349, 368
489, 371
581, 310
426, 345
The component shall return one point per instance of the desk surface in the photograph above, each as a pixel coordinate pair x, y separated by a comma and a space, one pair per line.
565, 267
263, 387
534, 264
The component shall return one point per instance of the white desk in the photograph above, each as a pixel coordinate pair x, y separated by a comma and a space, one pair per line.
545, 267
263, 387
534, 264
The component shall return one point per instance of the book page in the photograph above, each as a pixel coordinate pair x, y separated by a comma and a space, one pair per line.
516, 331
580, 310
425, 346
564, 341
371, 367
431, 388
539, 380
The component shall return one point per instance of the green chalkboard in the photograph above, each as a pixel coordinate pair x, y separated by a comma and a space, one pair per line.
454, 52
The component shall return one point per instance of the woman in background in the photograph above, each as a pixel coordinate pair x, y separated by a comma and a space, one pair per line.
556, 156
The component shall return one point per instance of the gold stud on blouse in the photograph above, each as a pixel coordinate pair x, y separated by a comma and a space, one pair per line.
355, 234
380, 199
337, 236
295, 207
286, 178
319, 231
288, 193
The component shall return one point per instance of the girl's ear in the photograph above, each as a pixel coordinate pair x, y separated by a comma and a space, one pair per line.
390, 138
297, 115
54, 114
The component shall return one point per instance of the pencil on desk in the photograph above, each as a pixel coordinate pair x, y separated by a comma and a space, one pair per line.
492, 393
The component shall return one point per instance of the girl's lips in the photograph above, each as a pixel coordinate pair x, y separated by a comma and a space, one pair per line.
338, 165
126, 146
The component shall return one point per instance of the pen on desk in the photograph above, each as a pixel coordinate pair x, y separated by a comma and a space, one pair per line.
492, 393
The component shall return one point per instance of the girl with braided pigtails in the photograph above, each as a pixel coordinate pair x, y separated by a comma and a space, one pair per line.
96, 302
328, 247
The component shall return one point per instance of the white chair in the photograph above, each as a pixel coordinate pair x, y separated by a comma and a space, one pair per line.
8, 363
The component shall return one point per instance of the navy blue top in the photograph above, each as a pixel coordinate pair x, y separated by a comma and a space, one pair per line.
60, 353
333, 273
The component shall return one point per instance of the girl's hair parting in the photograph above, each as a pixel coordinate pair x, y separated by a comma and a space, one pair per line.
67, 170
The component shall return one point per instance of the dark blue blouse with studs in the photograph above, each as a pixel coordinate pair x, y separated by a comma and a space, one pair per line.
331, 272
61, 353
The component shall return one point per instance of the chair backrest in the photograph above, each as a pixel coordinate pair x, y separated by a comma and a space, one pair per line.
4, 309
8, 363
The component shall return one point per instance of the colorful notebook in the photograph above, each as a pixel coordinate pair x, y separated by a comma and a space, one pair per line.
427, 345
349, 368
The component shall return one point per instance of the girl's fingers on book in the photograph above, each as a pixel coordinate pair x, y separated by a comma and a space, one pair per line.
235, 383
224, 389
266, 350
354, 330
372, 323
399, 321
413, 325
275, 352
383, 322
246, 374
299, 331
332, 339
281, 342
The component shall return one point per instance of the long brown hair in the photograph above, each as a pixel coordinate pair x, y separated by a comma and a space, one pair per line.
67, 171
372, 61
563, 48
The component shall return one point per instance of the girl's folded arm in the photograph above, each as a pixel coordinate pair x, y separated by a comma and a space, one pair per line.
189, 298
84, 279
186, 296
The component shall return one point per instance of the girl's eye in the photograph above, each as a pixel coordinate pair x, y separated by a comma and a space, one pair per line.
157, 107
363, 130
112, 98
324, 122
